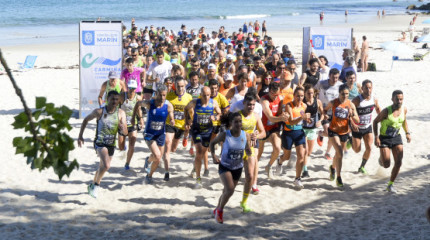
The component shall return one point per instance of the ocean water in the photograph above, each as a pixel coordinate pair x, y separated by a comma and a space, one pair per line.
36, 21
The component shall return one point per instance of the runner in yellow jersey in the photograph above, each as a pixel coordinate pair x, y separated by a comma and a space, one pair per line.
250, 121
179, 99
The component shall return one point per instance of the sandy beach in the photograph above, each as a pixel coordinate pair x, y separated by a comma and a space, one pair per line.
36, 205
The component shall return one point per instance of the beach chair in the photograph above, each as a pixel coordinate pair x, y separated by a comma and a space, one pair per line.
28, 64
420, 57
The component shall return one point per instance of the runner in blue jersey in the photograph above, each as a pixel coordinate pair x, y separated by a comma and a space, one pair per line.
155, 133
199, 114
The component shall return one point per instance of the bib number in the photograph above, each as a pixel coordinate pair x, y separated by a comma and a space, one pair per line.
392, 132
235, 156
203, 119
341, 113
365, 119
109, 139
157, 126
178, 115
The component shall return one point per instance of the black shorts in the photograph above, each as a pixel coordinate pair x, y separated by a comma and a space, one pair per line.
111, 149
171, 129
362, 132
343, 138
201, 137
159, 139
216, 129
235, 173
296, 137
270, 132
147, 90
264, 29
131, 129
390, 142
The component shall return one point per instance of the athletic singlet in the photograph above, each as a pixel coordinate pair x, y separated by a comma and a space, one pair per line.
156, 121
229, 67
116, 88
194, 92
224, 90
297, 112
391, 125
312, 79
202, 116
128, 107
313, 110
288, 95
222, 103
264, 90
237, 97
233, 150
107, 128
179, 103
364, 110
353, 92
248, 123
274, 107
340, 122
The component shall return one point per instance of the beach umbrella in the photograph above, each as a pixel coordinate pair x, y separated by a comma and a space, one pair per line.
424, 39
397, 48
427, 21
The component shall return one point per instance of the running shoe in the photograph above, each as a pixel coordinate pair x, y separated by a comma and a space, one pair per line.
339, 182
147, 165
298, 183
362, 170
332, 173
305, 174
93, 190
148, 180
206, 173
268, 170
185, 142
126, 167
191, 151
166, 176
390, 188
255, 191
278, 171
198, 183
214, 212
328, 157
192, 173
320, 140
349, 143
245, 207
218, 216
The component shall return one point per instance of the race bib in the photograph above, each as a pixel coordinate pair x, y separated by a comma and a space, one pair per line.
178, 115
157, 126
311, 124
341, 113
365, 119
109, 139
128, 118
235, 156
392, 132
203, 119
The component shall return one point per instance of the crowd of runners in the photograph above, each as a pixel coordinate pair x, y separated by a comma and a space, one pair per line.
233, 93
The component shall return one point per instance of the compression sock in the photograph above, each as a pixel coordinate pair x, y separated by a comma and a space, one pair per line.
390, 183
245, 198
305, 168
363, 162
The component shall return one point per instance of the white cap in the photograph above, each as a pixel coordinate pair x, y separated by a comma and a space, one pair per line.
212, 66
132, 84
230, 57
228, 77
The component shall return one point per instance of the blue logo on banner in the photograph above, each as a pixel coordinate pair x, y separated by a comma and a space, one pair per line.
318, 41
88, 37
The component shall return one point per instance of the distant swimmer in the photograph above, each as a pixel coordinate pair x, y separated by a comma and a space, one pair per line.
388, 138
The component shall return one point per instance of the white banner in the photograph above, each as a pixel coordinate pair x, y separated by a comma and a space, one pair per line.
329, 42
100, 52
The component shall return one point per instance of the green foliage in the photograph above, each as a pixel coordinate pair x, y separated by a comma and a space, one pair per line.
49, 145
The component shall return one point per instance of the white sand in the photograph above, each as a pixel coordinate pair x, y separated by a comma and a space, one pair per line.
36, 205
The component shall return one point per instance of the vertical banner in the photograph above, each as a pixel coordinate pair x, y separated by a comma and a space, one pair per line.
100, 51
329, 42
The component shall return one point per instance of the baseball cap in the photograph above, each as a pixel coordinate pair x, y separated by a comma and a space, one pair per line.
230, 57
211, 66
228, 77
132, 84
112, 75
252, 46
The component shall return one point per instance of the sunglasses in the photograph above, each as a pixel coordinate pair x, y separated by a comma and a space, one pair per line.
134, 55
196, 65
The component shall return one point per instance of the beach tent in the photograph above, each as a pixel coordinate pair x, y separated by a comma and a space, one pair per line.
397, 48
